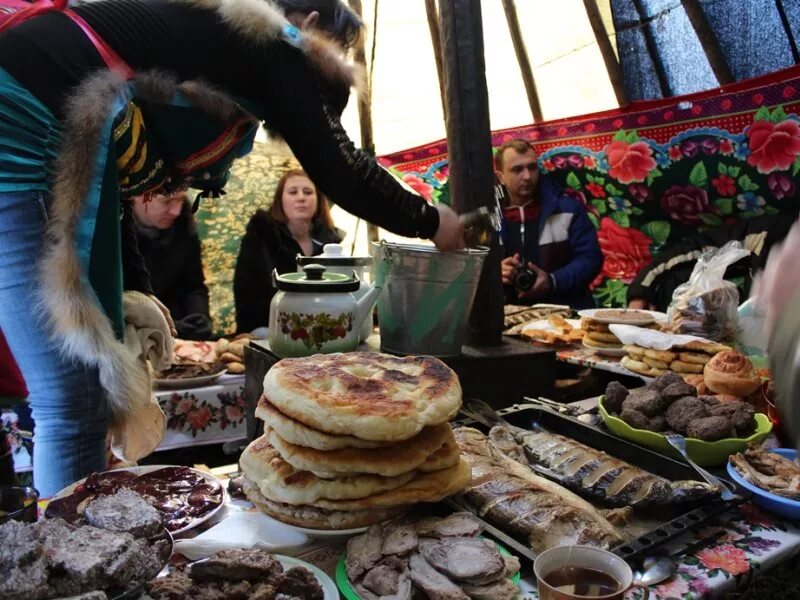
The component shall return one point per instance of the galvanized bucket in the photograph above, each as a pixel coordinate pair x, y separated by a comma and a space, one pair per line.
427, 297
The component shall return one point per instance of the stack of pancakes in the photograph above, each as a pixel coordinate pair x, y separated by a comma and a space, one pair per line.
598, 335
687, 359
354, 439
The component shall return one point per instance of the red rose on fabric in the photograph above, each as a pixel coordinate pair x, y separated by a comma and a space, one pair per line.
419, 186
589, 162
199, 418
629, 162
773, 146
596, 190
725, 146
625, 251
675, 152
725, 185
684, 203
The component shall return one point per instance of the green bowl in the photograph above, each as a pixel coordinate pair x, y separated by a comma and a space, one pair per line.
705, 454
348, 592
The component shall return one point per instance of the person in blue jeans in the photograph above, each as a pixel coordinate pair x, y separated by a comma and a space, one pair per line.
103, 101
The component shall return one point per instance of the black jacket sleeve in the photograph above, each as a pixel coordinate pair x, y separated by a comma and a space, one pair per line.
195, 300
135, 276
348, 176
252, 283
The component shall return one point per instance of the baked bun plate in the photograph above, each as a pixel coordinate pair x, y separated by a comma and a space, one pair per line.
705, 454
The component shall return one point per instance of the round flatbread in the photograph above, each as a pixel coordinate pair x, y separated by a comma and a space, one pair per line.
655, 364
281, 482
680, 366
593, 343
295, 432
606, 338
368, 395
663, 356
312, 517
711, 348
634, 351
426, 487
640, 367
387, 461
694, 358
590, 325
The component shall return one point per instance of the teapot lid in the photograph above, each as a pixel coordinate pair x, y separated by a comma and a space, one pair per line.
315, 280
333, 256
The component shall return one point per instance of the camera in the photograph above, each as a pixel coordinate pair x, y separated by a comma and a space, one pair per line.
524, 279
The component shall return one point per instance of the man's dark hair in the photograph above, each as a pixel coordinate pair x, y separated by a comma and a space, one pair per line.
519, 145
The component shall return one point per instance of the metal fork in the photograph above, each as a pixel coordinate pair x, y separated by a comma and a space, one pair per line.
678, 442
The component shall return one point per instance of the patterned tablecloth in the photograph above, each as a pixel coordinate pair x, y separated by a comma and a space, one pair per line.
212, 414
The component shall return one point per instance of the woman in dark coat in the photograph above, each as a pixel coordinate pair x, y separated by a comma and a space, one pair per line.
298, 222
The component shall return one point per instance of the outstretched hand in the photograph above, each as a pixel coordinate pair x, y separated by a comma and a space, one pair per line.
450, 235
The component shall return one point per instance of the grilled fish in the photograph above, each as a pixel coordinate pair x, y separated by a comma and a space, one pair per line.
593, 473
515, 499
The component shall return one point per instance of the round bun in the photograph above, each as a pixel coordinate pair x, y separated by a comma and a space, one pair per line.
634, 351
599, 336
731, 373
640, 367
375, 397
664, 356
680, 366
311, 517
591, 342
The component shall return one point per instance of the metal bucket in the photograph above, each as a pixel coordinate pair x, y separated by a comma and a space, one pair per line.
427, 297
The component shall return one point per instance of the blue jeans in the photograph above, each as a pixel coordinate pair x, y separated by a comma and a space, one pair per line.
67, 402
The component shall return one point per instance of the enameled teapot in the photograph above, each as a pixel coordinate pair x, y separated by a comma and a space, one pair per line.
317, 312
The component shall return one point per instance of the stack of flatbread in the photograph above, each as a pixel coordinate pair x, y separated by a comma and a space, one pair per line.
686, 359
354, 439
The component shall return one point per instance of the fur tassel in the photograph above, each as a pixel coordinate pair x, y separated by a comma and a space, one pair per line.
76, 319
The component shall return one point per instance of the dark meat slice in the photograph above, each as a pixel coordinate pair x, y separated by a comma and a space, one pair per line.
472, 560
646, 400
139, 562
663, 381
710, 429
84, 554
109, 482
684, 411
301, 583
124, 511
615, 396
433, 583
497, 590
264, 590
27, 582
460, 524
251, 564
383, 581
677, 390
364, 552
400, 538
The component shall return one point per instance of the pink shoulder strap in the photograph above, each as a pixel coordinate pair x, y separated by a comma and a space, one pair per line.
13, 12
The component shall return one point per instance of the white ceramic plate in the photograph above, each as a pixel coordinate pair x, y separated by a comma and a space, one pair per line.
329, 588
149, 468
618, 352
644, 317
321, 533
190, 382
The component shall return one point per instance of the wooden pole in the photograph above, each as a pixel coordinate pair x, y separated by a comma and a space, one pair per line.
365, 105
522, 59
469, 144
607, 51
436, 42
708, 40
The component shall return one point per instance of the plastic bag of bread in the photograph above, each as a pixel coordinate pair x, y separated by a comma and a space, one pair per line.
707, 305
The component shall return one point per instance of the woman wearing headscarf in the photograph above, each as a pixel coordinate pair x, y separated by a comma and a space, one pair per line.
106, 100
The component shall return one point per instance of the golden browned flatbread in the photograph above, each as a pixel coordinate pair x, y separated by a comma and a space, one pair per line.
591, 325
694, 357
371, 396
655, 364
640, 367
663, 356
707, 347
281, 482
312, 517
295, 432
634, 351
387, 461
606, 338
427, 487
588, 340
680, 366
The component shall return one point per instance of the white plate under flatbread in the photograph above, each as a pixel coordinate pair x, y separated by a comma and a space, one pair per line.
371, 396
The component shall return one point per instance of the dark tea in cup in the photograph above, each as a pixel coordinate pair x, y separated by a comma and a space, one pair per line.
580, 581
